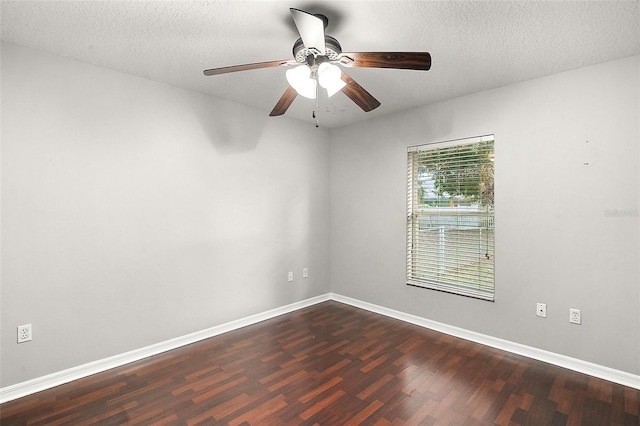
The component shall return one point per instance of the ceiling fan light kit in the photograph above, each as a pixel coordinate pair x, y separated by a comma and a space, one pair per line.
301, 79
316, 59
330, 77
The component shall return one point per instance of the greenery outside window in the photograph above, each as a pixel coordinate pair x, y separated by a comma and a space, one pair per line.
450, 217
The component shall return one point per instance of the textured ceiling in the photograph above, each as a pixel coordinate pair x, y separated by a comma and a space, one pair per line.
475, 45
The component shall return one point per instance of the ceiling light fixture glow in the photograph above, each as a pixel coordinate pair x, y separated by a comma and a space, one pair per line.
330, 77
301, 80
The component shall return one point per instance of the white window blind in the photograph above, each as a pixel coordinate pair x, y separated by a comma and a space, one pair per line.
450, 217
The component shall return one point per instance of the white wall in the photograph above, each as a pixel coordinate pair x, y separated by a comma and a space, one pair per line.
135, 212
559, 239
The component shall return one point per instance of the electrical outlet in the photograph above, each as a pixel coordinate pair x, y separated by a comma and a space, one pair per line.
24, 333
305, 273
541, 310
575, 316
290, 277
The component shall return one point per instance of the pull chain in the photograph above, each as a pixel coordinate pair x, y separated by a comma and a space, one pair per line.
317, 110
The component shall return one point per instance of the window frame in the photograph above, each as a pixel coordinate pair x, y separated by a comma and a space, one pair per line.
420, 272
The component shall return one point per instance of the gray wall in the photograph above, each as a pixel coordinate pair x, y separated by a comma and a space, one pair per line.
566, 234
135, 212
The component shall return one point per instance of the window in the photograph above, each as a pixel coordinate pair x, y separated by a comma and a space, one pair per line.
450, 217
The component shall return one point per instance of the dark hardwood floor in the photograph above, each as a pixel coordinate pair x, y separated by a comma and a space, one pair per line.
332, 364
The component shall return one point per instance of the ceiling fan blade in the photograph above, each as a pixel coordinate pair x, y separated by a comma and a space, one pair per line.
420, 61
246, 67
285, 101
358, 94
310, 28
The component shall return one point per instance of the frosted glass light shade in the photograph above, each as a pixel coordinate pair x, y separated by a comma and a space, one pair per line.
300, 79
330, 77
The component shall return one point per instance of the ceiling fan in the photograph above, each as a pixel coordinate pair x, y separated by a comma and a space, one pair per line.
316, 58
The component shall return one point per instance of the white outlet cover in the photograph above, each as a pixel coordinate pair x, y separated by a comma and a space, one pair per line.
290, 277
575, 316
541, 310
24, 333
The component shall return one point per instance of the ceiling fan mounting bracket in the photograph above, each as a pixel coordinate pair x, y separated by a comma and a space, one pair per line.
325, 20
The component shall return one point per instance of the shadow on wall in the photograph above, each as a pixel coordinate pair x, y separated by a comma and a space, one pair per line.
230, 127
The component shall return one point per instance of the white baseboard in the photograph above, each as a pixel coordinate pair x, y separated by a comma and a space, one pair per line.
602, 372
38, 384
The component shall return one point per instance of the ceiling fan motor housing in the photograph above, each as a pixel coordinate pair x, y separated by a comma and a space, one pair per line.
332, 50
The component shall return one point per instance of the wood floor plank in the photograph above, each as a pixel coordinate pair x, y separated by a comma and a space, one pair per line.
318, 390
332, 364
364, 414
